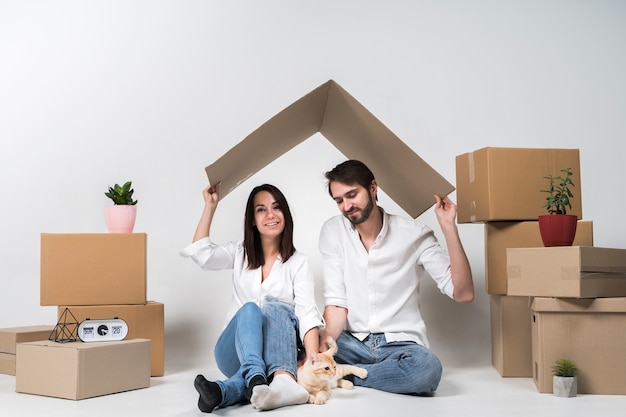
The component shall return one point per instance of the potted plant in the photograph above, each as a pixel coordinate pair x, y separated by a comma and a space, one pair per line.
558, 228
120, 217
564, 381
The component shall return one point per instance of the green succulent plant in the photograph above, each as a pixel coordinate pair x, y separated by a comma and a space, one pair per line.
559, 199
564, 367
122, 195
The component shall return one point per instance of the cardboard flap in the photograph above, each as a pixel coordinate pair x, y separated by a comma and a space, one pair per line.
595, 259
272, 139
580, 305
353, 130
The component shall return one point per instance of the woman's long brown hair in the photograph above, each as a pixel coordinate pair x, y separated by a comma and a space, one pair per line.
252, 239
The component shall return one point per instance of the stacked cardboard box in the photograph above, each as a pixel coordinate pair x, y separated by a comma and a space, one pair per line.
578, 312
98, 277
9, 339
500, 188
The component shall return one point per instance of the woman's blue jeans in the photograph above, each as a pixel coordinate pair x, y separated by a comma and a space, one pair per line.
257, 341
398, 367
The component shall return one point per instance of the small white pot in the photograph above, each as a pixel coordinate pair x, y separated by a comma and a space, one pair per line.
564, 386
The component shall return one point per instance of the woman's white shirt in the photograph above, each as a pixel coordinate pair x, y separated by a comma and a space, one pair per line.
290, 282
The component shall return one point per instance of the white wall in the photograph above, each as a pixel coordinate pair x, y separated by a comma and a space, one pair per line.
93, 93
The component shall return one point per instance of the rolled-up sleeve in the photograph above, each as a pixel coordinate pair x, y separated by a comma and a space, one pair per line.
210, 256
306, 309
436, 262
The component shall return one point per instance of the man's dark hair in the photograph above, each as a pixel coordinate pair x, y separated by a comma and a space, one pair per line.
350, 172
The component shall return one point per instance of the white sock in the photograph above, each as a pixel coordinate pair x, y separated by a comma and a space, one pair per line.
281, 392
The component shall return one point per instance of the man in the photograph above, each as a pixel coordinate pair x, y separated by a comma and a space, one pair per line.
373, 265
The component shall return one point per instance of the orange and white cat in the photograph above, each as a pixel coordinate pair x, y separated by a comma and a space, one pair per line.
321, 375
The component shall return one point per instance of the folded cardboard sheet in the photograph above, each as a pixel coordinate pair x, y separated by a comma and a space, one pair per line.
353, 130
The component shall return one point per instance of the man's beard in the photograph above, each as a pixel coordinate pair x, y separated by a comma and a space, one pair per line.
365, 213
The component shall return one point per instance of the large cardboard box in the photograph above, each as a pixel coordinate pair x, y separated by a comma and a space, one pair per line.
567, 271
78, 370
499, 236
591, 332
353, 130
10, 337
511, 346
93, 269
144, 322
503, 184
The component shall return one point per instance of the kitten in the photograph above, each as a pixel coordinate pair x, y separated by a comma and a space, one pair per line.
318, 377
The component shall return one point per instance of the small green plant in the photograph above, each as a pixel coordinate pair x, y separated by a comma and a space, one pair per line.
560, 194
122, 195
564, 367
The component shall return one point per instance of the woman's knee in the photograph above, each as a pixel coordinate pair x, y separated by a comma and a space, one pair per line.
250, 307
276, 308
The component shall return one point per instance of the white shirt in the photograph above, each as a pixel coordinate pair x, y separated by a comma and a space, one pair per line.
289, 282
380, 289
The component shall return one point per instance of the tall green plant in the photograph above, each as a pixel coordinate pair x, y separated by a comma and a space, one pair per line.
560, 194
122, 195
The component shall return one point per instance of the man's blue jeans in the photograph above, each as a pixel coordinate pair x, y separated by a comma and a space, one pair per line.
398, 367
257, 341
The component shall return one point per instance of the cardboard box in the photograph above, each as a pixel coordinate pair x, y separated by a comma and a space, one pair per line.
511, 345
353, 130
499, 236
503, 184
10, 337
591, 332
567, 271
78, 370
144, 322
93, 269
7, 363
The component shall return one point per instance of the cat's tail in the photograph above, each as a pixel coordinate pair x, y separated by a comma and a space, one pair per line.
332, 346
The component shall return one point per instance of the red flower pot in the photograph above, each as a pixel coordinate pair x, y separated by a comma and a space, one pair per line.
558, 229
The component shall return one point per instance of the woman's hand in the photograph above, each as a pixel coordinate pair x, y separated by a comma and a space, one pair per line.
211, 195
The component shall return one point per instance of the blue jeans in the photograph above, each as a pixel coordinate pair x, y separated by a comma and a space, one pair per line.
257, 341
398, 367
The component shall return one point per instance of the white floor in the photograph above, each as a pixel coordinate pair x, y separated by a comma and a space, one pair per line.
468, 392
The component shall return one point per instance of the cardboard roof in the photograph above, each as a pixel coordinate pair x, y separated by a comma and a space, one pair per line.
353, 130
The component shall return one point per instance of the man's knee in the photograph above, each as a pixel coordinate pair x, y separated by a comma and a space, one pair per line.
423, 369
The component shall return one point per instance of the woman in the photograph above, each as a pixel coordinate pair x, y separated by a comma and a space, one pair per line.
273, 304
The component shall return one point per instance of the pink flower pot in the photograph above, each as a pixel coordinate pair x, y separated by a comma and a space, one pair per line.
120, 219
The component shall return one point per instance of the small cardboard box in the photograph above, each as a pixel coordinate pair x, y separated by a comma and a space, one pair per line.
567, 271
7, 363
144, 322
499, 236
591, 332
353, 130
93, 269
10, 337
78, 370
511, 346
503, 184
